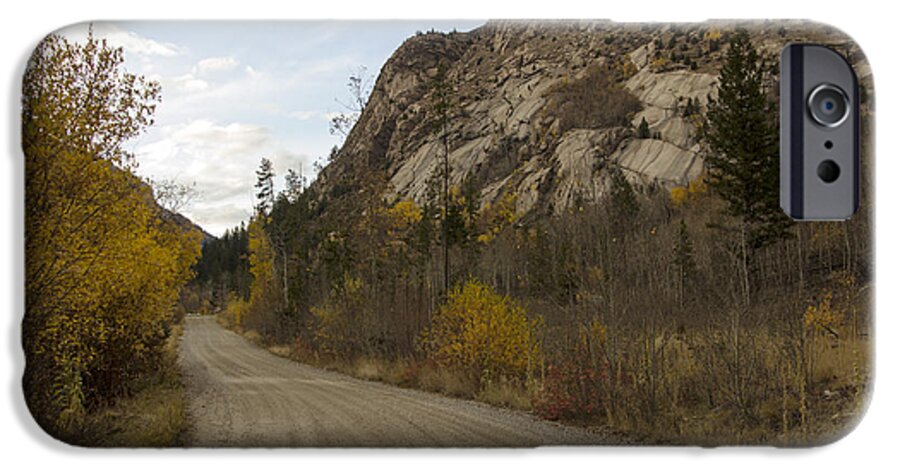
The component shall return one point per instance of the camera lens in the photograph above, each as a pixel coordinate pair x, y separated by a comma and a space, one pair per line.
828, 105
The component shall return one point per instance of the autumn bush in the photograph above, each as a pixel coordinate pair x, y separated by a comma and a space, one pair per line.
480, 331
235, 312
343, 321
577, 387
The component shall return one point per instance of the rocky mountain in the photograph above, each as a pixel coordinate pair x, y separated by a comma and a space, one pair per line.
540, 109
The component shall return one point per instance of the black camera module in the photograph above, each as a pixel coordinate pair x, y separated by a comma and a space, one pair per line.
819, 107
828, 105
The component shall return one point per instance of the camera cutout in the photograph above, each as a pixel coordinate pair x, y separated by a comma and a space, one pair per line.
828, 171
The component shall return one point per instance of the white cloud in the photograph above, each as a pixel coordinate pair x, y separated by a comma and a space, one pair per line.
302, 115
135, 44
130, 41
215, 64
190, 83
253, 73
219, 115
220, 160
225, 141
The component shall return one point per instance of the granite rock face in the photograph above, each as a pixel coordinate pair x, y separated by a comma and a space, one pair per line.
504, 135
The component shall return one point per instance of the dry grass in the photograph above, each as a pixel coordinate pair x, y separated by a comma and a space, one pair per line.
434, 378
690, 387
592, 101
152, 417
283, 351
155, 417
369, 369
253, 336
505, 394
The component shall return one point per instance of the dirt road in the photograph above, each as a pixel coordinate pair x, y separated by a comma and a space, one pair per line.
242, 395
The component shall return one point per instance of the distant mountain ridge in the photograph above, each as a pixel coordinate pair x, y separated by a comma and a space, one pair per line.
184, 222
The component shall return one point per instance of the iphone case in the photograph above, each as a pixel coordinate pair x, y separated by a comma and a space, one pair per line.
433, 234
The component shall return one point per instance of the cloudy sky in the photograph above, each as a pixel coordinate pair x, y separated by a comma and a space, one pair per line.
233, 93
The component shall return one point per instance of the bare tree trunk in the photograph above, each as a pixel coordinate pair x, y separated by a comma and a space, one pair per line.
284, 277
745, 266
445, 229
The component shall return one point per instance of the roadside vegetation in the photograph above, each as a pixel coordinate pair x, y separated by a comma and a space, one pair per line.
698, 314
104, 261
154, 416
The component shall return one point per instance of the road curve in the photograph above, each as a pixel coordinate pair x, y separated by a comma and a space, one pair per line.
243, 396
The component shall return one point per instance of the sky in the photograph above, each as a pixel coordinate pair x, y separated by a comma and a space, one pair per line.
235, 92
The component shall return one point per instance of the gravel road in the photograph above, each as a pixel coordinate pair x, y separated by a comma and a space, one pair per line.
242, 395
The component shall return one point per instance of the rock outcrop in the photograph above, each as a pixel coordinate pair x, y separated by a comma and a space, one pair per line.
505, 135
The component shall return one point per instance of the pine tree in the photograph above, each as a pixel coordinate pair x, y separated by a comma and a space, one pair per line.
624, 202
265, 187
692, 108
644, 129
441, 97
294, 182
742, 133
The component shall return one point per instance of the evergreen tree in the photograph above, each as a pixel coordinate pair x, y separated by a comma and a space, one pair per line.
294, 182
742, 133
683, 260
265, 186
441, 97
692, 108
622, 197
644, 129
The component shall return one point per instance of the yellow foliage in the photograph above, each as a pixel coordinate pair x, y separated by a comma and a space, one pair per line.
236, 311
103, 267
485, 238
480, 330
262, 262
679, 195
405, 213
659, 62
698, 187
823, 316
343, 320
628, 68
713, 35
494, 218
593, 335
